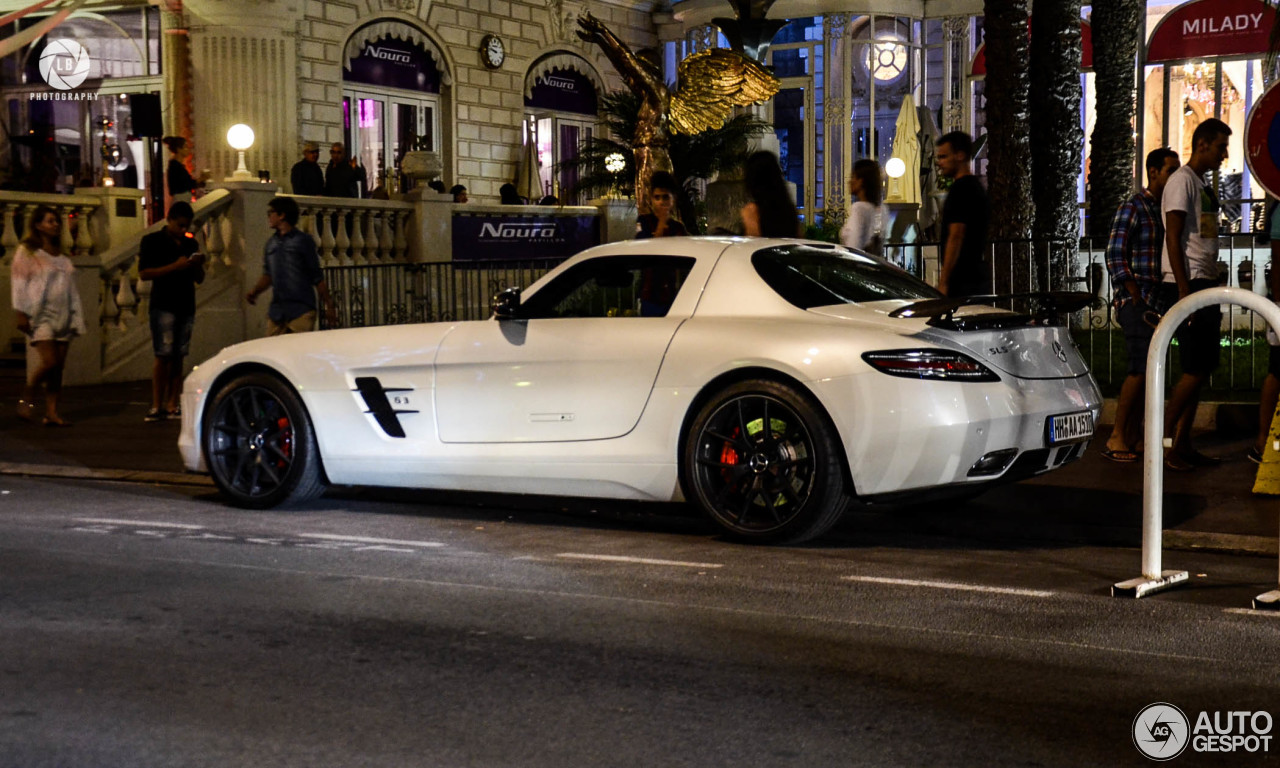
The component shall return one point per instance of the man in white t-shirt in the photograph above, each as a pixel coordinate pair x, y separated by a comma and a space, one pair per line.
1190, 262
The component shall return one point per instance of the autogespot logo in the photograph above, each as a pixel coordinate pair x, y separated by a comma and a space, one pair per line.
64, 64
1160, 731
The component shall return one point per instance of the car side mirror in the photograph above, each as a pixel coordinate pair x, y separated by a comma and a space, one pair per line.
506, 305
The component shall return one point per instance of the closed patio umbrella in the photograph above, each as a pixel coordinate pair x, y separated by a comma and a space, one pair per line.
906, 146
528, 181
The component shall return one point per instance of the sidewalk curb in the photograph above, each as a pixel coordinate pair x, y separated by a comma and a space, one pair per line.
115, 475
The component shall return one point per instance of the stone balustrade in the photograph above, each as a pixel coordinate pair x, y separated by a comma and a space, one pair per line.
350, 232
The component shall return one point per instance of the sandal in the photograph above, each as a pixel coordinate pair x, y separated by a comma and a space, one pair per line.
1120, 456
27, 410
55, 421
155, 414
1254, 455
1175, 463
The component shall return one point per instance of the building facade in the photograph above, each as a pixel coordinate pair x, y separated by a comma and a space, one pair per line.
496, 86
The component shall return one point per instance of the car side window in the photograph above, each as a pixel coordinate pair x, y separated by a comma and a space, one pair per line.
630, 286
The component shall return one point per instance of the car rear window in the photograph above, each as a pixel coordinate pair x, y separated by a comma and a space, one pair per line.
811, 276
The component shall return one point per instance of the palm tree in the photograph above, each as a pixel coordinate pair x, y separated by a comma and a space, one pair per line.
1117, 26
1007, 86
1056, 137
693, 158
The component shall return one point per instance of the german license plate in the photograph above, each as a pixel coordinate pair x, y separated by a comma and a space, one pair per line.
1069, 428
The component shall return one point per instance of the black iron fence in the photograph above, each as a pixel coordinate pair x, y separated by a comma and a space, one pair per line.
391, 294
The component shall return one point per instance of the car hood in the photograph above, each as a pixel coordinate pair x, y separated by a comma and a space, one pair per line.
1030, 352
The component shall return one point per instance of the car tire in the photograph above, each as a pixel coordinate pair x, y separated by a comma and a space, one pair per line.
259, 444
783, 485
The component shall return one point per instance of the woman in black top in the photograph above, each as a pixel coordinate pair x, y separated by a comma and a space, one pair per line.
181, 184
771, 213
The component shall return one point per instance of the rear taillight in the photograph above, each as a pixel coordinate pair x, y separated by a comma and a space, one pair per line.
931, 364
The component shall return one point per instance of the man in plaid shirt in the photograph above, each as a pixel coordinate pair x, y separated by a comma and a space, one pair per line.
1133, 259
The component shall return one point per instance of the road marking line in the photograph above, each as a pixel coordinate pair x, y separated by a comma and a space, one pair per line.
142, 523
641, 560
368, 540
1252, 612
950, 585
910, 630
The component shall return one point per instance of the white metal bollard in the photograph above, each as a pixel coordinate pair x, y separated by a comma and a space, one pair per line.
1153, 579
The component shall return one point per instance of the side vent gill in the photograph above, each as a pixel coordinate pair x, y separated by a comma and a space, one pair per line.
375, 398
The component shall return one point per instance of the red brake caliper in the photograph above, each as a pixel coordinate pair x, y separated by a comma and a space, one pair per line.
286, 441
728, 456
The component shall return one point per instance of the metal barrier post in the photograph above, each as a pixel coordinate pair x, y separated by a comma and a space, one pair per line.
1153, 579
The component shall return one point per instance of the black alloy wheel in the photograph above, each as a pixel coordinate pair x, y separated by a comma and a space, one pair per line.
762, 460
259, 444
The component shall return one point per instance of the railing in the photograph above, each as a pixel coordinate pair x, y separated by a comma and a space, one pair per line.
391, 294
351, 232
74, 210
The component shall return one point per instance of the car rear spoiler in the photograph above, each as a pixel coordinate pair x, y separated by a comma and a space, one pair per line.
1048, 307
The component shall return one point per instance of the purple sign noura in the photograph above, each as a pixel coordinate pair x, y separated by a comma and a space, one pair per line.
394, 64
563, 90
490, 237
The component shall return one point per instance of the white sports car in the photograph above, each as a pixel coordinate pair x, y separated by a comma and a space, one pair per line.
767, 381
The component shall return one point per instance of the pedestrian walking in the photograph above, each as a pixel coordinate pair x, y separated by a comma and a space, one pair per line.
339, 175
291, 269
307, 177
771, 212
1190, 264
1270, 395
865, 225
47, 310
172, 261
658, 222
965, 217
1133, 259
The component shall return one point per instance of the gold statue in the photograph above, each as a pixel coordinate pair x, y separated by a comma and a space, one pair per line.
711, 84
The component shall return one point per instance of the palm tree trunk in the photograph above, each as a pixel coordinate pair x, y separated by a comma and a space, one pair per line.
1009, 136
1117, 25
1056, 139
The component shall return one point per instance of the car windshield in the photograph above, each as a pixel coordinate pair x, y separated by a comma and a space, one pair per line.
812, 276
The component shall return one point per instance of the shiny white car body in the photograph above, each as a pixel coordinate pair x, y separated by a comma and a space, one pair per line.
598, 406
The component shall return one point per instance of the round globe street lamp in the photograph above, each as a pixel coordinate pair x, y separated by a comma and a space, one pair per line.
240, 137
895, 168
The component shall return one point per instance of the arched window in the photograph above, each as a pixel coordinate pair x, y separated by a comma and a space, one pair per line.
393, 79
561, 106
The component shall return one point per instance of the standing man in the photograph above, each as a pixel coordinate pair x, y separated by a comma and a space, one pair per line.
1133, 259
964, 221
291, 269
1190, 264
339, 176
170, 260
306, 176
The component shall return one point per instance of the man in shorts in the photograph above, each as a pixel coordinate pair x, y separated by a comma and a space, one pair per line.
170, 259
1133, 259
1190, 264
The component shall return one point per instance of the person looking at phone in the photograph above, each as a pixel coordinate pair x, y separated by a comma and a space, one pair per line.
172, 261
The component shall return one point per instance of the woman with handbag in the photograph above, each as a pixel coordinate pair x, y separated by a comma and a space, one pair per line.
47, 308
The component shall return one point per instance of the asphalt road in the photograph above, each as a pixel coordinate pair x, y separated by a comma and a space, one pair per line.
152, 626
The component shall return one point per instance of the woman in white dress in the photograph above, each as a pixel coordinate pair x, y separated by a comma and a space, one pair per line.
47, 308
865, 226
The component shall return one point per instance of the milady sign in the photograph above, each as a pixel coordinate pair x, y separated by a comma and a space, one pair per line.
1212, 29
